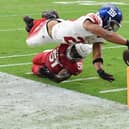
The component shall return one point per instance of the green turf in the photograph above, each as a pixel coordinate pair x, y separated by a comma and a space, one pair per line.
12, 42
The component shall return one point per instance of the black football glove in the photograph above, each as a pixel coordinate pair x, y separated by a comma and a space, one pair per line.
44, 72
127, 43
105, 75
126, 56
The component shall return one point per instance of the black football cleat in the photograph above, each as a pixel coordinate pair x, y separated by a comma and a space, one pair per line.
29, 23
50, 14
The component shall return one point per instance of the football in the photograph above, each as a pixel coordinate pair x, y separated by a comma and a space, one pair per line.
126, 56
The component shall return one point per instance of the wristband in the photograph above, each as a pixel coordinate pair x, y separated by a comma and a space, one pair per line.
98, 60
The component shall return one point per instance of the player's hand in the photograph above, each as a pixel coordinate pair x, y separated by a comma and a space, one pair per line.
105, 75
127, 44
126, 56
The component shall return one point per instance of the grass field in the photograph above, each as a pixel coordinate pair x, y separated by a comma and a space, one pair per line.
15, 55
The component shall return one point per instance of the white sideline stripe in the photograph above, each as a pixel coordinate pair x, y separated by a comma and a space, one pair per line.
113, 90
72, 110
89, 2
80, 79
12, 56
18, 64
24, 55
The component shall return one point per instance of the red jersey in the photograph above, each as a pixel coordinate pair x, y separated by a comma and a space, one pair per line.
56, 60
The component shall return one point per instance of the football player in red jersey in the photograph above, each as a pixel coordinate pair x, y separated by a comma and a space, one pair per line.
93, 28
61, 62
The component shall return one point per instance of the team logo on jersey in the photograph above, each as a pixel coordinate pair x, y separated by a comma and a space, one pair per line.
112, 12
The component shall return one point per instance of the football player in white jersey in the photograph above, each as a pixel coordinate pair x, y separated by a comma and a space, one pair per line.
92, 28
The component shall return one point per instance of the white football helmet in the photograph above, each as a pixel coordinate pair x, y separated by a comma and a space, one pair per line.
79, 51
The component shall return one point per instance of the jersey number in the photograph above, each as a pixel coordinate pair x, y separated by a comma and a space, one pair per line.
53, 58
70, 39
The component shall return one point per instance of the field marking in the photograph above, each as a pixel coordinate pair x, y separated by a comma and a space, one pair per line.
70, 2
29, 73
19, 55
71, 80
37, 105
82, 2
113, 90
16, 15
27, 63
81, 79
31, 54
17, 64
12, 29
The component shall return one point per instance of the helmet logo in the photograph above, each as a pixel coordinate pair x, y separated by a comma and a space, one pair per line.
112, 12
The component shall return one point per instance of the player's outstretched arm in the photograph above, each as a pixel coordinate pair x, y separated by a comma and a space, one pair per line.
98, 63
107, 35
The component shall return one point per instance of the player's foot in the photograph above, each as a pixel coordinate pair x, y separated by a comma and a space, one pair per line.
29, 23
50, 14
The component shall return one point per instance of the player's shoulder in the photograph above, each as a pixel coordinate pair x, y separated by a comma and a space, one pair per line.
62, 48
94, 18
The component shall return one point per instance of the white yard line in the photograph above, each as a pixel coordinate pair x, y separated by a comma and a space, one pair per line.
117, 46
73, 80
89, 2
12, 29
19, 55
17, 64
30, 54
113, 90
28, 73
80, 79
17, 15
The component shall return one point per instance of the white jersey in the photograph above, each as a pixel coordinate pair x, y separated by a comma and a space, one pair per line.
69, 31
66, 31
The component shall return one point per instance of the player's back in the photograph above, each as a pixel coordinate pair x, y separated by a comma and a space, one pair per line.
72, 31
73, 66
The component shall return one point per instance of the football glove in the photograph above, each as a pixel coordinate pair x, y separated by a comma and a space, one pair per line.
127, 43
126, 56
44, 72
105, 75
